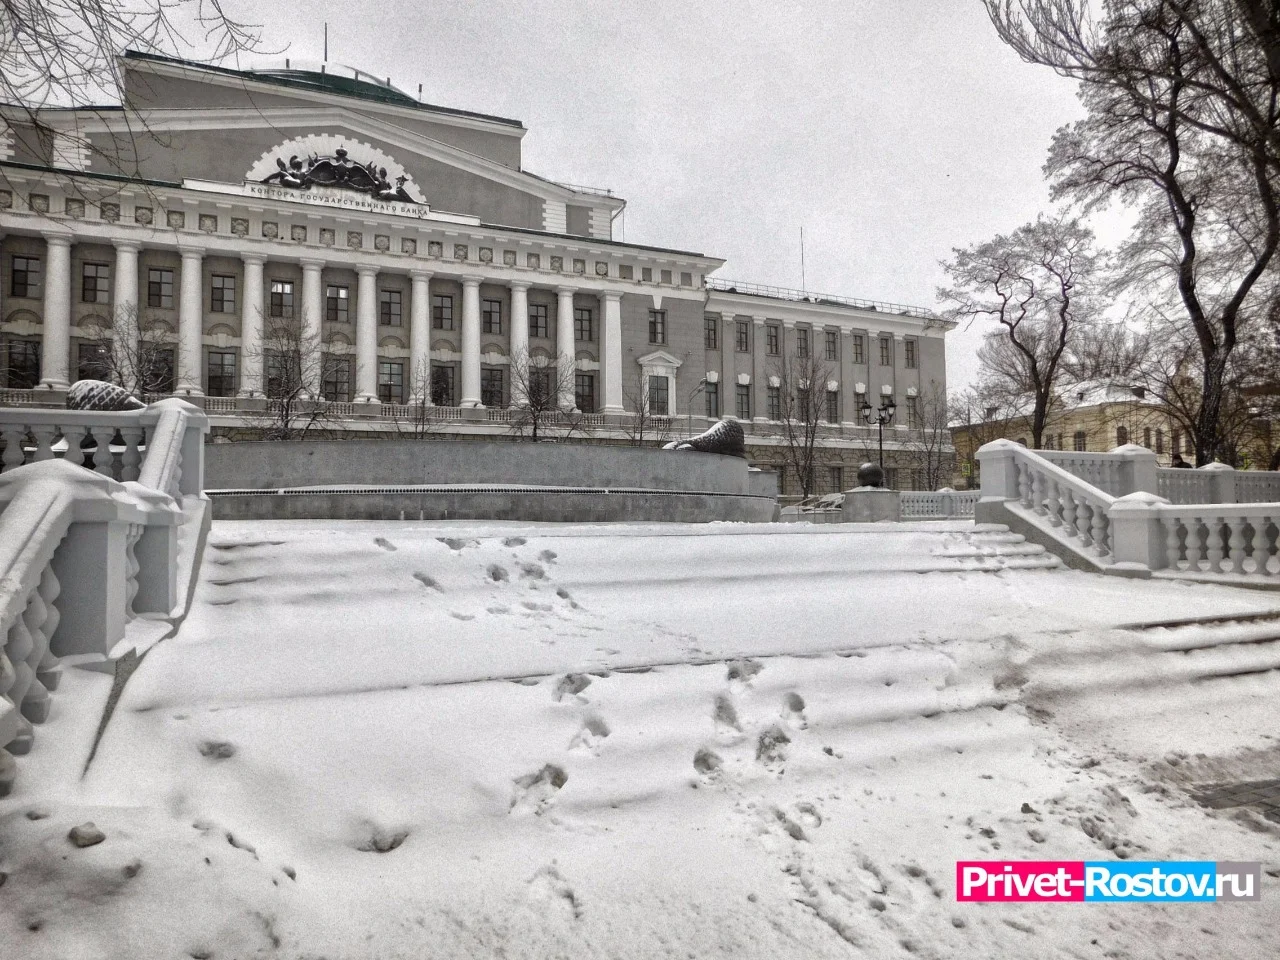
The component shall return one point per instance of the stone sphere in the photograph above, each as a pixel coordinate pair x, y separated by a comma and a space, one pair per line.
870, 475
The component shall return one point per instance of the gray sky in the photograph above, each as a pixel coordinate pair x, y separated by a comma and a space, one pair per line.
893, 130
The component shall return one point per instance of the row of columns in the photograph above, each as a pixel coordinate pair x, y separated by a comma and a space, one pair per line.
55, 373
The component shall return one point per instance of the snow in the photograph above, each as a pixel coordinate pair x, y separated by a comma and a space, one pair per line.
521, 740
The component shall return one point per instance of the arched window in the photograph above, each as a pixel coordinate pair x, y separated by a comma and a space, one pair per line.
1159, 440
1122, 436
1023, 441
1146, 437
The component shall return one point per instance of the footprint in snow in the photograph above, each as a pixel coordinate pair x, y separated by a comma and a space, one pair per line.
429, 582
594, 730
514, 542
570, 685
534, 792
385, 544
793, 711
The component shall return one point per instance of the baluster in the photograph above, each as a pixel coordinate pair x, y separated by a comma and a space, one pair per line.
1172, 548
8, 769
44, 442
131, 459
1264, 544
1194, 553
1051, 501
1215, 527
1037, 492
73, 434
1084, 522
132, 568
35, 704
1099, 530
102, 451
1069, 512
18, 648
1024, 483
49, 589
1235, 544
13, 452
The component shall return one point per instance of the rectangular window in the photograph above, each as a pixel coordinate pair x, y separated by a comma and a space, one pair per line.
538, 320
95, 283
442, 313
491, 316
391, 381
21, 367
909, 353
626, 271
284, 378
665, 276
710, 337
771, 339
833, 406
25, 280
390, 304
859, 355
281, 299
886, 351
686, 279
1159, 440
659, 403
657, 326
160, 288
835, 478
443, 385
222, 373
93, 362
584, 392
743, 400
159, 372
222, 294
584, 326
1081, 441
492, 392
540, 389
337, 379
833, 344
713, 400
802, 342
913, 412
743, 334
646, 274
775, 403
1175, 443
337, 304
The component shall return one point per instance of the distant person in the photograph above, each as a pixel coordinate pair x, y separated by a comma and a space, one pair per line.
1180, 463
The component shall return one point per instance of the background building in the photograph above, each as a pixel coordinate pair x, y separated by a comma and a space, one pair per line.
313, 231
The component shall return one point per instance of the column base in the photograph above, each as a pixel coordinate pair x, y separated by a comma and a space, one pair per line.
366, 398
53, 385
471, 404
615, 411
188, 392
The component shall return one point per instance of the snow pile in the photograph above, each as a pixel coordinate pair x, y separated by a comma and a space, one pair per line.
398, 740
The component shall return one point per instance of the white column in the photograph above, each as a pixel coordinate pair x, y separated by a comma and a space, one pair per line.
611, 351
419, 373
251, 328
312, 326
55, 354
471, 342
367, 335
565, 353
519, 336
190, 323
759, 371
124, 322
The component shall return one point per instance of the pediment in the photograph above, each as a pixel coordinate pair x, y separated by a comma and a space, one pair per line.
659, 358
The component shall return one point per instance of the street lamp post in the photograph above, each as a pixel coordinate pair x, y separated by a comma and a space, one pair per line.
887, 409
702, 385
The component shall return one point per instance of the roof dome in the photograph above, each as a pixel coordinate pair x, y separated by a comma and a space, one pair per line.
335, 78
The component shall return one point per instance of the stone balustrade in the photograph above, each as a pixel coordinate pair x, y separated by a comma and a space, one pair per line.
82, 552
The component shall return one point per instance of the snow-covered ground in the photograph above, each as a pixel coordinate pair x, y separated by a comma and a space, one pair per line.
479, 740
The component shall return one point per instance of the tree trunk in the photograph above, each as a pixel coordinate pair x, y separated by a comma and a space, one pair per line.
1208, 437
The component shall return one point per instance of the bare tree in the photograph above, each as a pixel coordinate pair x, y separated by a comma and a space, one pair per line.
1039, 285
418, 418
537, 384
641, 425
58, 54
802, 393
296, 367
980, 414
928, 442
143, 365
1182, 124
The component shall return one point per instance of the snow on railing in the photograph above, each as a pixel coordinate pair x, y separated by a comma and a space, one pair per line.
81, 553
944, 504
1218, 539
1101, 470
1184, 486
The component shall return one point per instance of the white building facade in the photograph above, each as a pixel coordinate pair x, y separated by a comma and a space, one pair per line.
419, 262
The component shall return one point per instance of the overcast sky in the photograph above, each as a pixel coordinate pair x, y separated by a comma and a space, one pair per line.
893, 130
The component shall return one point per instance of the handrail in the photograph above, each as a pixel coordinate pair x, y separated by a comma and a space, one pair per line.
807, 296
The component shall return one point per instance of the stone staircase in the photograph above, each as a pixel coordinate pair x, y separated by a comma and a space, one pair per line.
993, 546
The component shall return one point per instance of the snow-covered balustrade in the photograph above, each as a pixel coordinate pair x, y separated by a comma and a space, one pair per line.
1184, 486
82, 553
944, 504
1220, 539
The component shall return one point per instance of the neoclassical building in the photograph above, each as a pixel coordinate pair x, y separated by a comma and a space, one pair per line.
415, 262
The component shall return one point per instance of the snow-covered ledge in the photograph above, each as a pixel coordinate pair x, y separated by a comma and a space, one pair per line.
81, 554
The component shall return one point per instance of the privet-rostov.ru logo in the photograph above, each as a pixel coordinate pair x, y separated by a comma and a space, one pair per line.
1161, 881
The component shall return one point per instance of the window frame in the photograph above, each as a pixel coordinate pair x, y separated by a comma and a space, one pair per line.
742, 393
392, 379
712, 394
584, 321
391, 314
222, 293
32, 274
859, 349
98, 282
222, 389
487, 377
772, 339
442, 311
832, 344
280, 302
658, 326
711, 333
160, 280
585, 378
491, 316
337, 303
539, 321
742, 336
773, 396
656, 379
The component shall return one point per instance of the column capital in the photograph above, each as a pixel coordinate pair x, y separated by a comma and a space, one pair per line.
420, 273
566, 291
364, 270
472, 280
313, 262
57, 239
611, 295
519, 284
253, 259
126, 246
191, 253
758, 321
